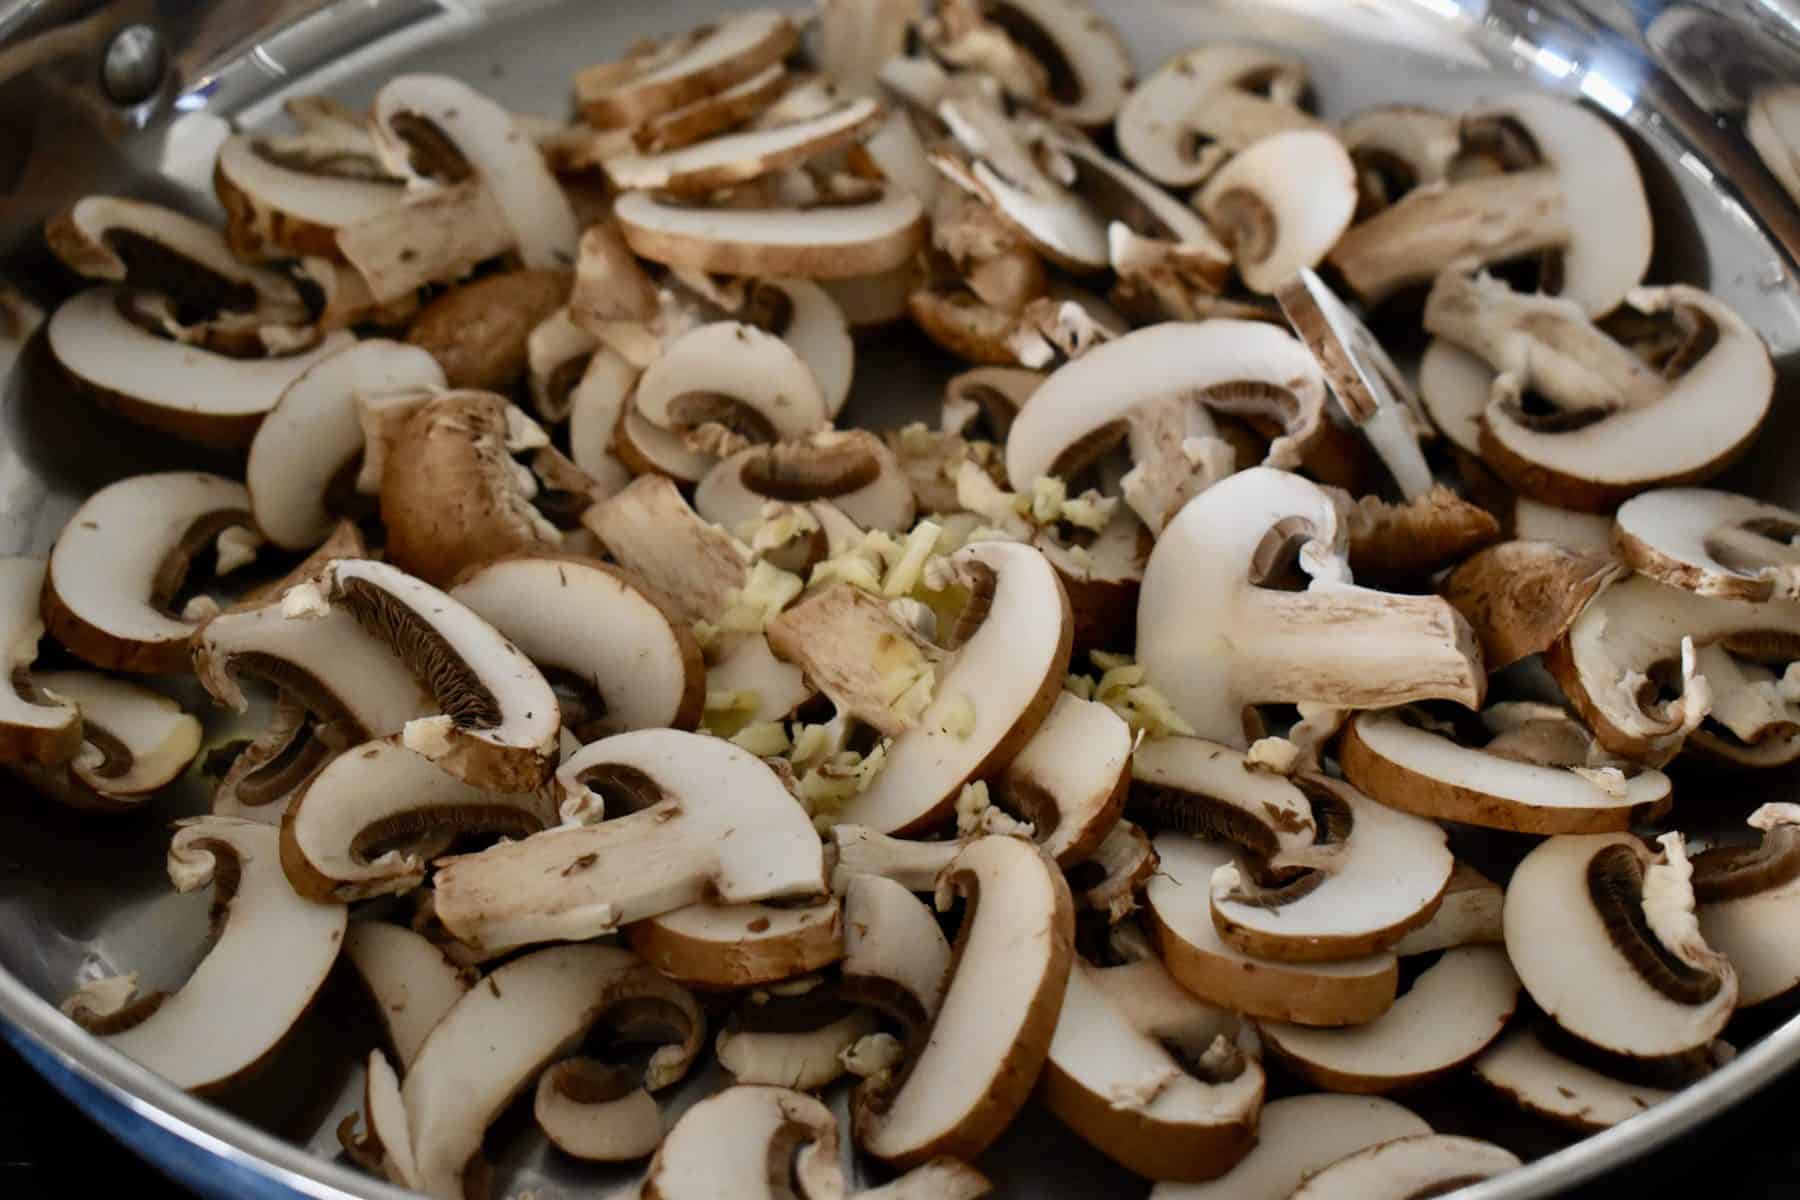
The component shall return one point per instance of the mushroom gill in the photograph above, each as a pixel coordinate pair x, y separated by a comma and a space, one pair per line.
1615, 883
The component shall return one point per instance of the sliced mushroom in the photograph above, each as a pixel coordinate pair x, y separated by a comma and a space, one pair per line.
852, 468
1455, 1008
312, 436
992, 395
1409, 1166
1714, 543
166, 385
652, 532
807, 317
912, 864
34, 727
338, 835
1535, 1077
1469, 915
133, 742
795, 1042
411, 982
998, 1016
1454, 388
1158, 387
1298, 1136
853, 648
1535, 521
433, 126
725, 385
1110, 880
120, 562
498, 719
1400, 543
1204, 105
1009, 653
1747, 896
734, 158
437, 236
1403, 759
702, 818
477, 331
896, 959
825, 240
1398, 148
386, 1147
1086, 67
1603, 935
623, 660
741, 945
1180, 914
1070, 779
1773, 130
290, 195
596, 404
1520, 597
1122, 1090
681, 70
271, 954
1274, 228
1334, 643
750, 1141
1579, 195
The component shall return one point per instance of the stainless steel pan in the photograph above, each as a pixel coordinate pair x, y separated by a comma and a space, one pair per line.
133, 96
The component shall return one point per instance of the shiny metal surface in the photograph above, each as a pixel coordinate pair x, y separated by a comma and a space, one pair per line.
81, 897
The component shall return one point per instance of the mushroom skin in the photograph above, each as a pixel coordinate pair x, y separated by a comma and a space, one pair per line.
1521, 596
650, 530
477, 332
34, 727
133, 743
1403, 543
1209, 99
1529, 1074
1409, 1166
1711, 542
752, 1141
683, 69
410, 982
1746, 897
1071, 778
722, 946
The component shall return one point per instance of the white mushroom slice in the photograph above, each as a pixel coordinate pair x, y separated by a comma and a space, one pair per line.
683, 69
1110, 880
731, 384
1180, 914
993, 395
1772, 125
338, 834
1454, 387
1204, 105
1454, 1009
994, 1028
1410, 542
852, 468
1297, 1137
1009, 668
34, 728
1747, 900
479, 331
1537, 1079
1155, 387
1386, 882
1402, 761
122, 558
312, 434
597, 404
1714, 543
1410, 1166
896, 958
1535, 521
1274, 228
134, 742
266, 774
499, 718
1212, 791
824, 241
418, 118
1398, 148
1155, 1004
760, 1143
1334, 643
702, 818
1583, 198
1468, 915
387, 1146
744, 663
490, 1047
1101, 576
279, 202
741, 945
855, 650
1521, 597
647, 449
610, 286
1070, 779
437, 236
876, 299
185, 390
1603, 935
862, 851
735, 158
626, 663
1087, 67
596, 1112
710, 115
272, 953
650, 530
806, 316
411, 982
1117, 1086
795, 1043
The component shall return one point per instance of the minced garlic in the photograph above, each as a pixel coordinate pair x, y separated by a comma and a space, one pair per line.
728, 712
959, 716
907, 570
765, 739
767, 591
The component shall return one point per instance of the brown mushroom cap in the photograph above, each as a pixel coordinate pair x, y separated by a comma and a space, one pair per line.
1520, 597
477, 331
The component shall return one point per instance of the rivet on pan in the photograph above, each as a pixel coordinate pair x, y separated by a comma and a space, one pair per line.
133, 66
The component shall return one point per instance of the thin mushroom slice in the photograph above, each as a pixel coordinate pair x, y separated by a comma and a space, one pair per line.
1403, 759
279, 946
338, 834
1070, 779
1110, 880
683, 69
1126, 1093
1531, 1075
852, 468
702, 818
134, 742
719, 946
1534, 521
855, 650
499, 719
723, 110
743, 664
863, 851
809, 319
991, 395
599, 401
386, 1148
433, 125
750, 1141
1273, 228
1087, 67
896, 958
189, 391
1429, 1164
1747, 899
1333, 643
479, 331
1206, 104
1297, 1137
731, 384
1454, 388
1387, 882
121, 560
1177, 900
1714, 543
792, 1041
1603, 935
34, 728
625, 663
313, 434
1469, 915
410, 981
596, 1112
734, 158
1521, 596
1398, 148
998, 1016
284, 197
823, 241
1406, 543
1008, 667
1159, 386
1772, 125
651, 531
1455, 1008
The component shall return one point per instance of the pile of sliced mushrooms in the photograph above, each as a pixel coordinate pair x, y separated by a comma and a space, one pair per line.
1120, 744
